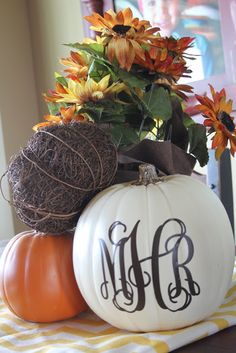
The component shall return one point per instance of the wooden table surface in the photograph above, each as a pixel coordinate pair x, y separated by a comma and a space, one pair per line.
221, 342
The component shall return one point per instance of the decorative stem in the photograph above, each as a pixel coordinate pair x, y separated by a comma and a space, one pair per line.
147, 175
141, 125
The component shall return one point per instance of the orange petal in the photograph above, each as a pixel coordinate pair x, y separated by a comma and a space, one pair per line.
60, 88
40, 125
111, 49
49, 98
128, 15
95, 19
185, 88
122, 51
67, 113
164, 53
120, 18
208, 122
226, 106
232, 145
109, 17
139, 51
80, 117
152, 30
219, 140
52, 118
130, 55
219, 152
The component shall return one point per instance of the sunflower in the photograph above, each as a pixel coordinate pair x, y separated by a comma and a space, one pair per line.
217, 117
80, 92
77, 65
124, 36
67, 114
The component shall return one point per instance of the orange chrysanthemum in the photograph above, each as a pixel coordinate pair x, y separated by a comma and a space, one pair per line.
217, 117
123, 35
66, 115
169, 68
177, 47
77, 65
158, 61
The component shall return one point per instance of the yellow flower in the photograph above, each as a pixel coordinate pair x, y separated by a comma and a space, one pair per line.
80, 92
123, 35
217, 117
66, 115
98, 40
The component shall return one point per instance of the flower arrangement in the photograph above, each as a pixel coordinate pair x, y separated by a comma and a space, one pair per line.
126, 81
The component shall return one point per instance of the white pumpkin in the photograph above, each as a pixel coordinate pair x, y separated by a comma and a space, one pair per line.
154, 256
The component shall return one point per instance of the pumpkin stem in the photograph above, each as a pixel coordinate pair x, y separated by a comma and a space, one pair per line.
147, 175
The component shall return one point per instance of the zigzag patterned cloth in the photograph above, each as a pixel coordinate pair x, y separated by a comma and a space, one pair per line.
88, 333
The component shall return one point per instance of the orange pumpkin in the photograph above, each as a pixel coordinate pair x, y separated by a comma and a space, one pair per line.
37, 281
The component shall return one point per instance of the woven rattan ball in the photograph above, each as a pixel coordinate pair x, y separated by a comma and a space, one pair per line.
58, 172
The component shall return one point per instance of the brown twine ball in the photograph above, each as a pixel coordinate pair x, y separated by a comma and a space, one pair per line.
61, 168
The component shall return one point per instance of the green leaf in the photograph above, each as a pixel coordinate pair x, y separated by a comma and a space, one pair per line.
188, 121
157, 102
98, 69
132, 80
145, 46
62, 81
92, 48
174, 128
198, 143
98, 48
105, 111
134, 117
123, 136
95, 112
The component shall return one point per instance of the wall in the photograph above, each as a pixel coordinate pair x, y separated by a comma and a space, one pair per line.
6, 224
31, 35
18, 104
52, 23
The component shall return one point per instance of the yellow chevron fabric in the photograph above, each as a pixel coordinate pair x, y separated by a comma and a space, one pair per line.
88, 333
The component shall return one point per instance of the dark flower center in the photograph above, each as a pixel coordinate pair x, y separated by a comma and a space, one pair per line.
121, 29
226, 121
